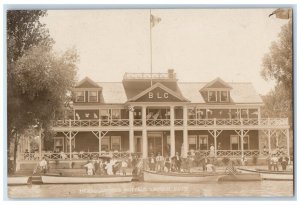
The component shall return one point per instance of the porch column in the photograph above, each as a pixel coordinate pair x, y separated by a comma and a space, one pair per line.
144, 133
288, 142
172, 132
269, 140
131, 132
70, 144
100, 141
215, 142
242, 143
185, 132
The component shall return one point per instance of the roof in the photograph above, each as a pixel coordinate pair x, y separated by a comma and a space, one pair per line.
240, 92
122, 92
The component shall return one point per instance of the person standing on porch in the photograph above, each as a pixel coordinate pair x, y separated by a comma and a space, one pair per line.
212, 151
274, 162
167, 164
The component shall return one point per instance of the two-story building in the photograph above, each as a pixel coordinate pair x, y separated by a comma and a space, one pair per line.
151, 113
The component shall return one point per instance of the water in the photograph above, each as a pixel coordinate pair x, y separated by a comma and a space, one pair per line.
143, 189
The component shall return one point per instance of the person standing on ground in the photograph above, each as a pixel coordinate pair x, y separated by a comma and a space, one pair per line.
43, 165
159, 163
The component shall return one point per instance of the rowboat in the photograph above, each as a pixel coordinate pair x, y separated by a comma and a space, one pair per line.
270, 175
241, 177
18, 180
85, 179
150, 176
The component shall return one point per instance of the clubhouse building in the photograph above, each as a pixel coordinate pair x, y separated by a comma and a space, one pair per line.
155, 113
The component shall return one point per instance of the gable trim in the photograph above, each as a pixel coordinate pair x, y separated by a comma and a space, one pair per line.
87, 79
158, 85
207, 86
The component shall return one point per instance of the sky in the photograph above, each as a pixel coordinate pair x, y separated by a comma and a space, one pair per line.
199, 44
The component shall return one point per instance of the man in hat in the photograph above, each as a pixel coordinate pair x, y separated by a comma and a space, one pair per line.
159, 162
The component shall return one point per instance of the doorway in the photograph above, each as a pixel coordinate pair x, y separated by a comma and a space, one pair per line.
155, 143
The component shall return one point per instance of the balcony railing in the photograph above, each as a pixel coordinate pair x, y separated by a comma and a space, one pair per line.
158, 122
126, 155
75, 155
272, 122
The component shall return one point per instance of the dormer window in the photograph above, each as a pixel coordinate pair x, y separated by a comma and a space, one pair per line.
93, 96
212, 96
224, 97
79, 96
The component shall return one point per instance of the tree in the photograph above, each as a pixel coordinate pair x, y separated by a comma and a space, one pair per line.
277, 65
41, 80
37, 78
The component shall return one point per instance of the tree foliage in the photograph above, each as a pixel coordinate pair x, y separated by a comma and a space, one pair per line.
37, 78
277, 65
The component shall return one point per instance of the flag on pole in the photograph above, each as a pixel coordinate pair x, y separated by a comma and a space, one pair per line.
154, 20
282, 13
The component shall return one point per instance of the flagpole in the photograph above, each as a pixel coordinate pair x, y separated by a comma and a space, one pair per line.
150, 22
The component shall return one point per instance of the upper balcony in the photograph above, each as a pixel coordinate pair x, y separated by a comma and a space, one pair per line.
252, 123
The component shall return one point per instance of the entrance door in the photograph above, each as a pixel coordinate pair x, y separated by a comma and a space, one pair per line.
155, 143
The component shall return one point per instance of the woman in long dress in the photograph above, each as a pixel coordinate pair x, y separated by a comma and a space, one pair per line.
109, 168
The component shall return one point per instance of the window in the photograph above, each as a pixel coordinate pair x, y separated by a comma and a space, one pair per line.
116, 114
116, 143
224, 96
58, 144
212, 96
104, 114
192, 142
246, 142
234, 142
79, 96
203, 142
93, 96
105, 144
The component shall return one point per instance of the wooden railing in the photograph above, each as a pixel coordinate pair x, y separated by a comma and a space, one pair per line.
271, 122
75, 155
158, 122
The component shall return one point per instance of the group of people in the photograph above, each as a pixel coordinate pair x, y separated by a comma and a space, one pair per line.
274, 161
164, 164
106, 167
177, 163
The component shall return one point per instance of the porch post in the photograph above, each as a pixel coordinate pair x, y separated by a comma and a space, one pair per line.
269, 140
185, 132
215, 142
288, 142
131, 132
100, 140
70, 144
172, 132
242, 142
144, 133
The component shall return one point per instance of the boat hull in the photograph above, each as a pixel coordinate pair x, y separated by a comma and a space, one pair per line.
242, 177
18, 180
180, 178
271, 175
84, 179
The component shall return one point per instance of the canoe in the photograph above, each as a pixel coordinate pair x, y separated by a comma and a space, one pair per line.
270, 175
150, 176
85, 179
241, 177
18, 180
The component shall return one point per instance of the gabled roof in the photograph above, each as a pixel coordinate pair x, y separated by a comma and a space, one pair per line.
87, 83
240, 92
216, 83
161, 86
